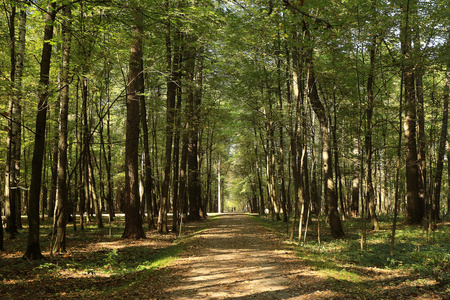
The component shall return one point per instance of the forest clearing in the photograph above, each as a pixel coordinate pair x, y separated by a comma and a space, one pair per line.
233, 256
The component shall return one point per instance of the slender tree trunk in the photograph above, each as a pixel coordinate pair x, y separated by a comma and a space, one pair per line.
62, 190
397, 173
96, 201
319, 109
84, 133
296, 141
281, 140
170, 109
107, 155
17, 116
183, 174
354, 207
148, 180
54, 168
10, 194
192, 124
435, 204
133, 221
258, 174
177, 126
369, 151
33, 251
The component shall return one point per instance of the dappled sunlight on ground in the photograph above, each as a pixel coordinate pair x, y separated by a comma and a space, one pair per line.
237, 259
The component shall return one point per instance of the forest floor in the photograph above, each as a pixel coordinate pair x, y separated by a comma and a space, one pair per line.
231, 256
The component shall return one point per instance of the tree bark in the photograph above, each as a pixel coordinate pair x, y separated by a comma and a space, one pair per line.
414, 206
192, 126
148, 180
10, 193
170, 109
133, 221
435, 203
368, 143
319, 109
33, 251
177, 125
62, 191
354, 208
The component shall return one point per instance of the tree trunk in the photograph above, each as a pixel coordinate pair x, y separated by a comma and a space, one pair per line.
319, 109
177, 125
148, 180
281, 141
33, 251
106, 149
435, 204
170, 109
368, 144
62, 191
414, 206
258, 174
10, 193
183, 174
17, 116
94, 195
354, 208
192, 126
133, 221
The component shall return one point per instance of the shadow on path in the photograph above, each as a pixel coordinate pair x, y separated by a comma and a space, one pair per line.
236, 258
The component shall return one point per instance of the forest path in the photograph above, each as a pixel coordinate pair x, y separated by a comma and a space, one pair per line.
236, 258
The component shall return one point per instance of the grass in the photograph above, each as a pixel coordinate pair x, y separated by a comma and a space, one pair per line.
424, 266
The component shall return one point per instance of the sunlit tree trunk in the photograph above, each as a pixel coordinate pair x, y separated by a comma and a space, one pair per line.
258, 174
96, 201
62, 190
354, 207
10, 189
170, 110
319, 109
192, 126
148, 180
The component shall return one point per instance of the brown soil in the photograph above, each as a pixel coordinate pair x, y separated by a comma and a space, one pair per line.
236, 258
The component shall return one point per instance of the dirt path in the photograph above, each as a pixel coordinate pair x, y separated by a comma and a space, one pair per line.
236, 258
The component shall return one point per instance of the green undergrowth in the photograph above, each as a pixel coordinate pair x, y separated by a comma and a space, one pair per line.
98, 262
416, 256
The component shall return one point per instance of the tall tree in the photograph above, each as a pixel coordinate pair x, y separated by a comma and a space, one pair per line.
370, 194
192, 126
133, 220
33, 251
319, 109
170, 111
62, 191
414, 206
435, 203
10, 189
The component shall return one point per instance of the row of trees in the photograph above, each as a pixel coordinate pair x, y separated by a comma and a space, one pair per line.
117, 80
364, 83
140, 104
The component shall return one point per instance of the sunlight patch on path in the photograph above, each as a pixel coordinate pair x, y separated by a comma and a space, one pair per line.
238, 259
